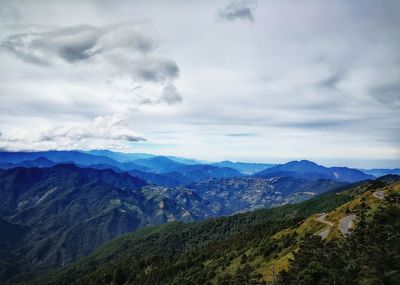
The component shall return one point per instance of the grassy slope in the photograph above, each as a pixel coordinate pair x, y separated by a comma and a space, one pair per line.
363, 192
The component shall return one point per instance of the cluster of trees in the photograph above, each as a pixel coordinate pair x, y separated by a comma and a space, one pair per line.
197, 266
243, 275
369, 255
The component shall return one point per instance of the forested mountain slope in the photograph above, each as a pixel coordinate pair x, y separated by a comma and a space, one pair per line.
65, 212
223, 250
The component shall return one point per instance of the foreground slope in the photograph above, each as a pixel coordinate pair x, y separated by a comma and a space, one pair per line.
369, 253
219, 251
199, 251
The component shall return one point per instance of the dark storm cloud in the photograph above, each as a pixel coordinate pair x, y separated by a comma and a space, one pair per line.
238, 10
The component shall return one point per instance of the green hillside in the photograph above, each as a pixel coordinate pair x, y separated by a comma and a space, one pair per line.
253, 246
369, 254
215, 244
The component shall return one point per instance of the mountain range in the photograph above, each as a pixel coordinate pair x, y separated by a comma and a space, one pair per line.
84, 207
59, 206
167, 168
168, 164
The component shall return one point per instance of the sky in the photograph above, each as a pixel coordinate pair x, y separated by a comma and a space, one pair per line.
244, 80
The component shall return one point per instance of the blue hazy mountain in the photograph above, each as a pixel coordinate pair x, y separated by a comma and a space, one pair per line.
163, 171
204, 171
153, 178
120, 156
76, 157
378, 172
184, 170
186, 174
159, 170
186, 160
244, 167
159, 164
131, 157
37, 162
180, 172
311, 171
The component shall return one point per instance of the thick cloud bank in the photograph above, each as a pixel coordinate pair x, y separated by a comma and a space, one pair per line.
234, 79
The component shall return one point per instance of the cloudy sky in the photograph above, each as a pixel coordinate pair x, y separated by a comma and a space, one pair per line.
247, 80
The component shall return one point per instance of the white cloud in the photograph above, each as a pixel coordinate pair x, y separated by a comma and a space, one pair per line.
112, 130
307, 79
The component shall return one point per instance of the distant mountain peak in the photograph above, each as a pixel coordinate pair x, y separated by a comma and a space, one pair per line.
310, 170
303, 162
307, 162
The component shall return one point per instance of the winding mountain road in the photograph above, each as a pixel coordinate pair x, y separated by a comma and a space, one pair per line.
322, 219
346, 223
